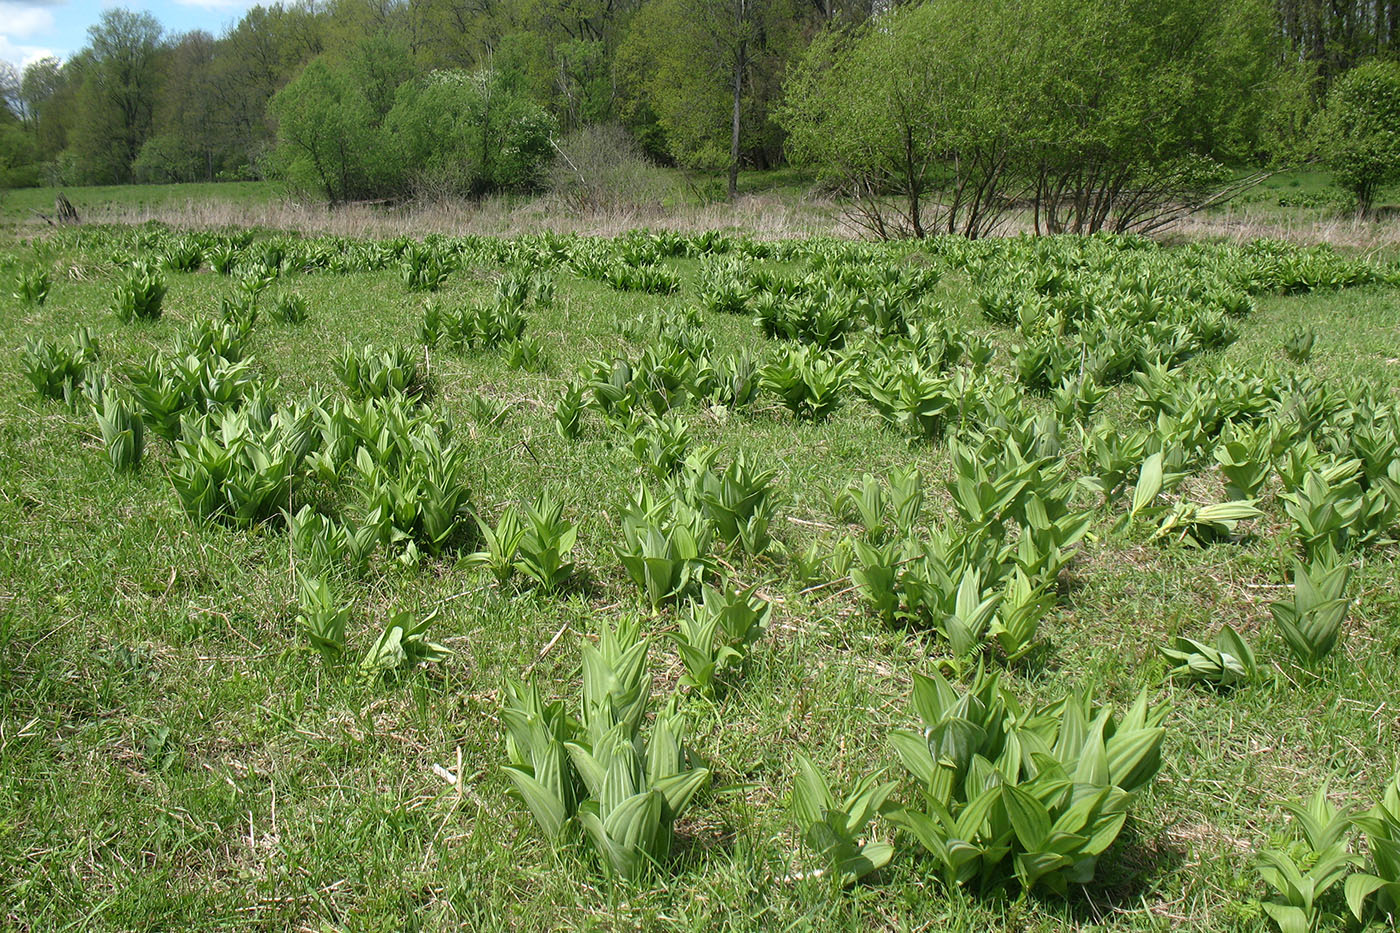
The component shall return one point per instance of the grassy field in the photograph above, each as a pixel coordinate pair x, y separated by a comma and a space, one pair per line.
21, 204
1302, 205
175, 755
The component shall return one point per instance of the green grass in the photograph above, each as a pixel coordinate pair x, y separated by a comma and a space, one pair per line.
19, 204
173, 756
1304, 194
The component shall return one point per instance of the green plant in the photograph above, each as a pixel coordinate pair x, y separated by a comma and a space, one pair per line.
370, 373
223, 258
660, 444
1227, 662
1326, 514
424, 269
1018, 617
123, 432
290, 308
1304, 871
663, 547
170, 389
1245, 460
808, 383
502, 544
838, 829
32, 285
1199, 525
912, 398
321, 544
1311, 622
568, 411
527, 354
57, 372
713, 636
737, 500
1381, 877
139, 296
1298, 345
322, 618
544, 544
240, 465
1046, 789
402, 644
623, 786
416, 491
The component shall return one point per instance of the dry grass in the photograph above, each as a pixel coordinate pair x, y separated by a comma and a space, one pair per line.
1240, 225
764, 216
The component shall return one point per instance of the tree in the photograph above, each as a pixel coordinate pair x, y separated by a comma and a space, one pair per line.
466, 133
41, 79
326, 133
916, 115
187, 141
116, 102
1099, 114
1360, 130
709, 72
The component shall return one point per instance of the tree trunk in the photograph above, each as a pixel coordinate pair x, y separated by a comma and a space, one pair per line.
739, 65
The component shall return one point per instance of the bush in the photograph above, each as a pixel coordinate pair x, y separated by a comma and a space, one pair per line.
466, 133
1360, 130
600, 168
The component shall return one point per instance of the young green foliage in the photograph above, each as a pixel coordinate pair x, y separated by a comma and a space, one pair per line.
837, 829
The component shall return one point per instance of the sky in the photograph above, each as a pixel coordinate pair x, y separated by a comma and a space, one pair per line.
31, 29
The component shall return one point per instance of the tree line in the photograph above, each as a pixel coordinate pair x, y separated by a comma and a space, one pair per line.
934, 115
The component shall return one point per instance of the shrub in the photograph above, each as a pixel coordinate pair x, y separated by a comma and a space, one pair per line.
1358, 131
600, 168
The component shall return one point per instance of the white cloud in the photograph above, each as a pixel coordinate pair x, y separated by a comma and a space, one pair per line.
25, 19
218, 4
21, 55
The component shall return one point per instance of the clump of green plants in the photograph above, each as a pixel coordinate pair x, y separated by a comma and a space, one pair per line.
737, 500
602, 776
1025, 796
33, 284
1301, 872
415, 491
322, 544
58, 372
527, 354
1299, 343
123, 432
140, 295
1311, 622
664, 547
290, 308
424, 268
714, 635
371, 373
240, 465
183, 255
808, 383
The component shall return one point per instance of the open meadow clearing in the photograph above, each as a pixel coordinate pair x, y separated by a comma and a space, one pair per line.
697, 582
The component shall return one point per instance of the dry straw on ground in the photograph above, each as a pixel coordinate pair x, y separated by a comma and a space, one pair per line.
766, 216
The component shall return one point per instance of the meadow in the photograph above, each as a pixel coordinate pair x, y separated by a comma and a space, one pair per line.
694, 581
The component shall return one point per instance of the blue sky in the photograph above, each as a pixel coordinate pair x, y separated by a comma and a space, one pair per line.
31, 29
